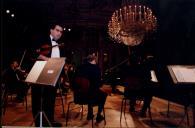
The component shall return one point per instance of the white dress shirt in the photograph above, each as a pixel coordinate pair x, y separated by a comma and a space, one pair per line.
55, 52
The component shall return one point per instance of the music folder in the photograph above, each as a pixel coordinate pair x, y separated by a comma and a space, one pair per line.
46, 72
182, 74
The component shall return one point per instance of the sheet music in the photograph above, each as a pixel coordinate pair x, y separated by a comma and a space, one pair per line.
153, 76
184, 74
34, 73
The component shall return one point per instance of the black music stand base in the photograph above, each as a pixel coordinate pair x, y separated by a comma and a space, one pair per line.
41, 113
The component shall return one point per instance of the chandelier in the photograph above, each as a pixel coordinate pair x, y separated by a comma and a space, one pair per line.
129, 24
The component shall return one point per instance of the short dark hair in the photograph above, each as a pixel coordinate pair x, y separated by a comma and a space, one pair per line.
13, 60
53, 25
91, 57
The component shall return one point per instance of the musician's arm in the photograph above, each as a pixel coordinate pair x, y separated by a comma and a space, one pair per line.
42, 57
36, 55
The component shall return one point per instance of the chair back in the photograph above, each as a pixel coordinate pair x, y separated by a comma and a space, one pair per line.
133, 83
81, 90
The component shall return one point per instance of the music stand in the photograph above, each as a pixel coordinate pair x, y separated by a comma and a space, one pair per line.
184, 75
45, 73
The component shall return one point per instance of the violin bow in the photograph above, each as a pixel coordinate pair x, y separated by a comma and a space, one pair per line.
22, 58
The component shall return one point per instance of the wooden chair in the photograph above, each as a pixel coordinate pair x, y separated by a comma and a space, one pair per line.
10, 93
133, 88
81, 96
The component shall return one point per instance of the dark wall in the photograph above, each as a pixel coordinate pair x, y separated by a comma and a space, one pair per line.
173, 43
175, 40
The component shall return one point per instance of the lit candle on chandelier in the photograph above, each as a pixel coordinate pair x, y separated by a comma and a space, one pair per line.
127, 18
125, 15
135, 12
147, 12
140, 17
121, 16
129, 8
144, 13
130, 12
151, 13
116, 13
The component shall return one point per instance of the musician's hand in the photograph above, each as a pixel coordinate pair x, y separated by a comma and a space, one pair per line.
67, 83
18, 68
42, 57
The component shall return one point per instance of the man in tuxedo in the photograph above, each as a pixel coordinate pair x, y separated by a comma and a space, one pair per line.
46, 92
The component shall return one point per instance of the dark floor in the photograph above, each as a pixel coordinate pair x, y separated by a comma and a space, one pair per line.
16, 115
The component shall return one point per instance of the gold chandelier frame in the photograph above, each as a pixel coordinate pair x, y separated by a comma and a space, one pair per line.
130, 24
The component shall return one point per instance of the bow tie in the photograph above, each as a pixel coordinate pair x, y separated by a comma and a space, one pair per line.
53, 40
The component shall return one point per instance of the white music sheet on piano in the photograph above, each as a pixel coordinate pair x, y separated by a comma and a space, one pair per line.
153, 76
184, 74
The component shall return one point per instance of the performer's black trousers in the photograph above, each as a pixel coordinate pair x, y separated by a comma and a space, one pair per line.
48, 95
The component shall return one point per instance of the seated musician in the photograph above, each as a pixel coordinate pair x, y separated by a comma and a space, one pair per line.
12, 78
92, 72
137, 79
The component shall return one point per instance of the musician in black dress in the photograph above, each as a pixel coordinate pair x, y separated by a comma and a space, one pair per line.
46, 48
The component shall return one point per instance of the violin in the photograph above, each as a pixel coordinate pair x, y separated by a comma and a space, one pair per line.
46, 49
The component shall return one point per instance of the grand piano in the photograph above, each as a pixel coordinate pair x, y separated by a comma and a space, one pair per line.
166, 86
179, 90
